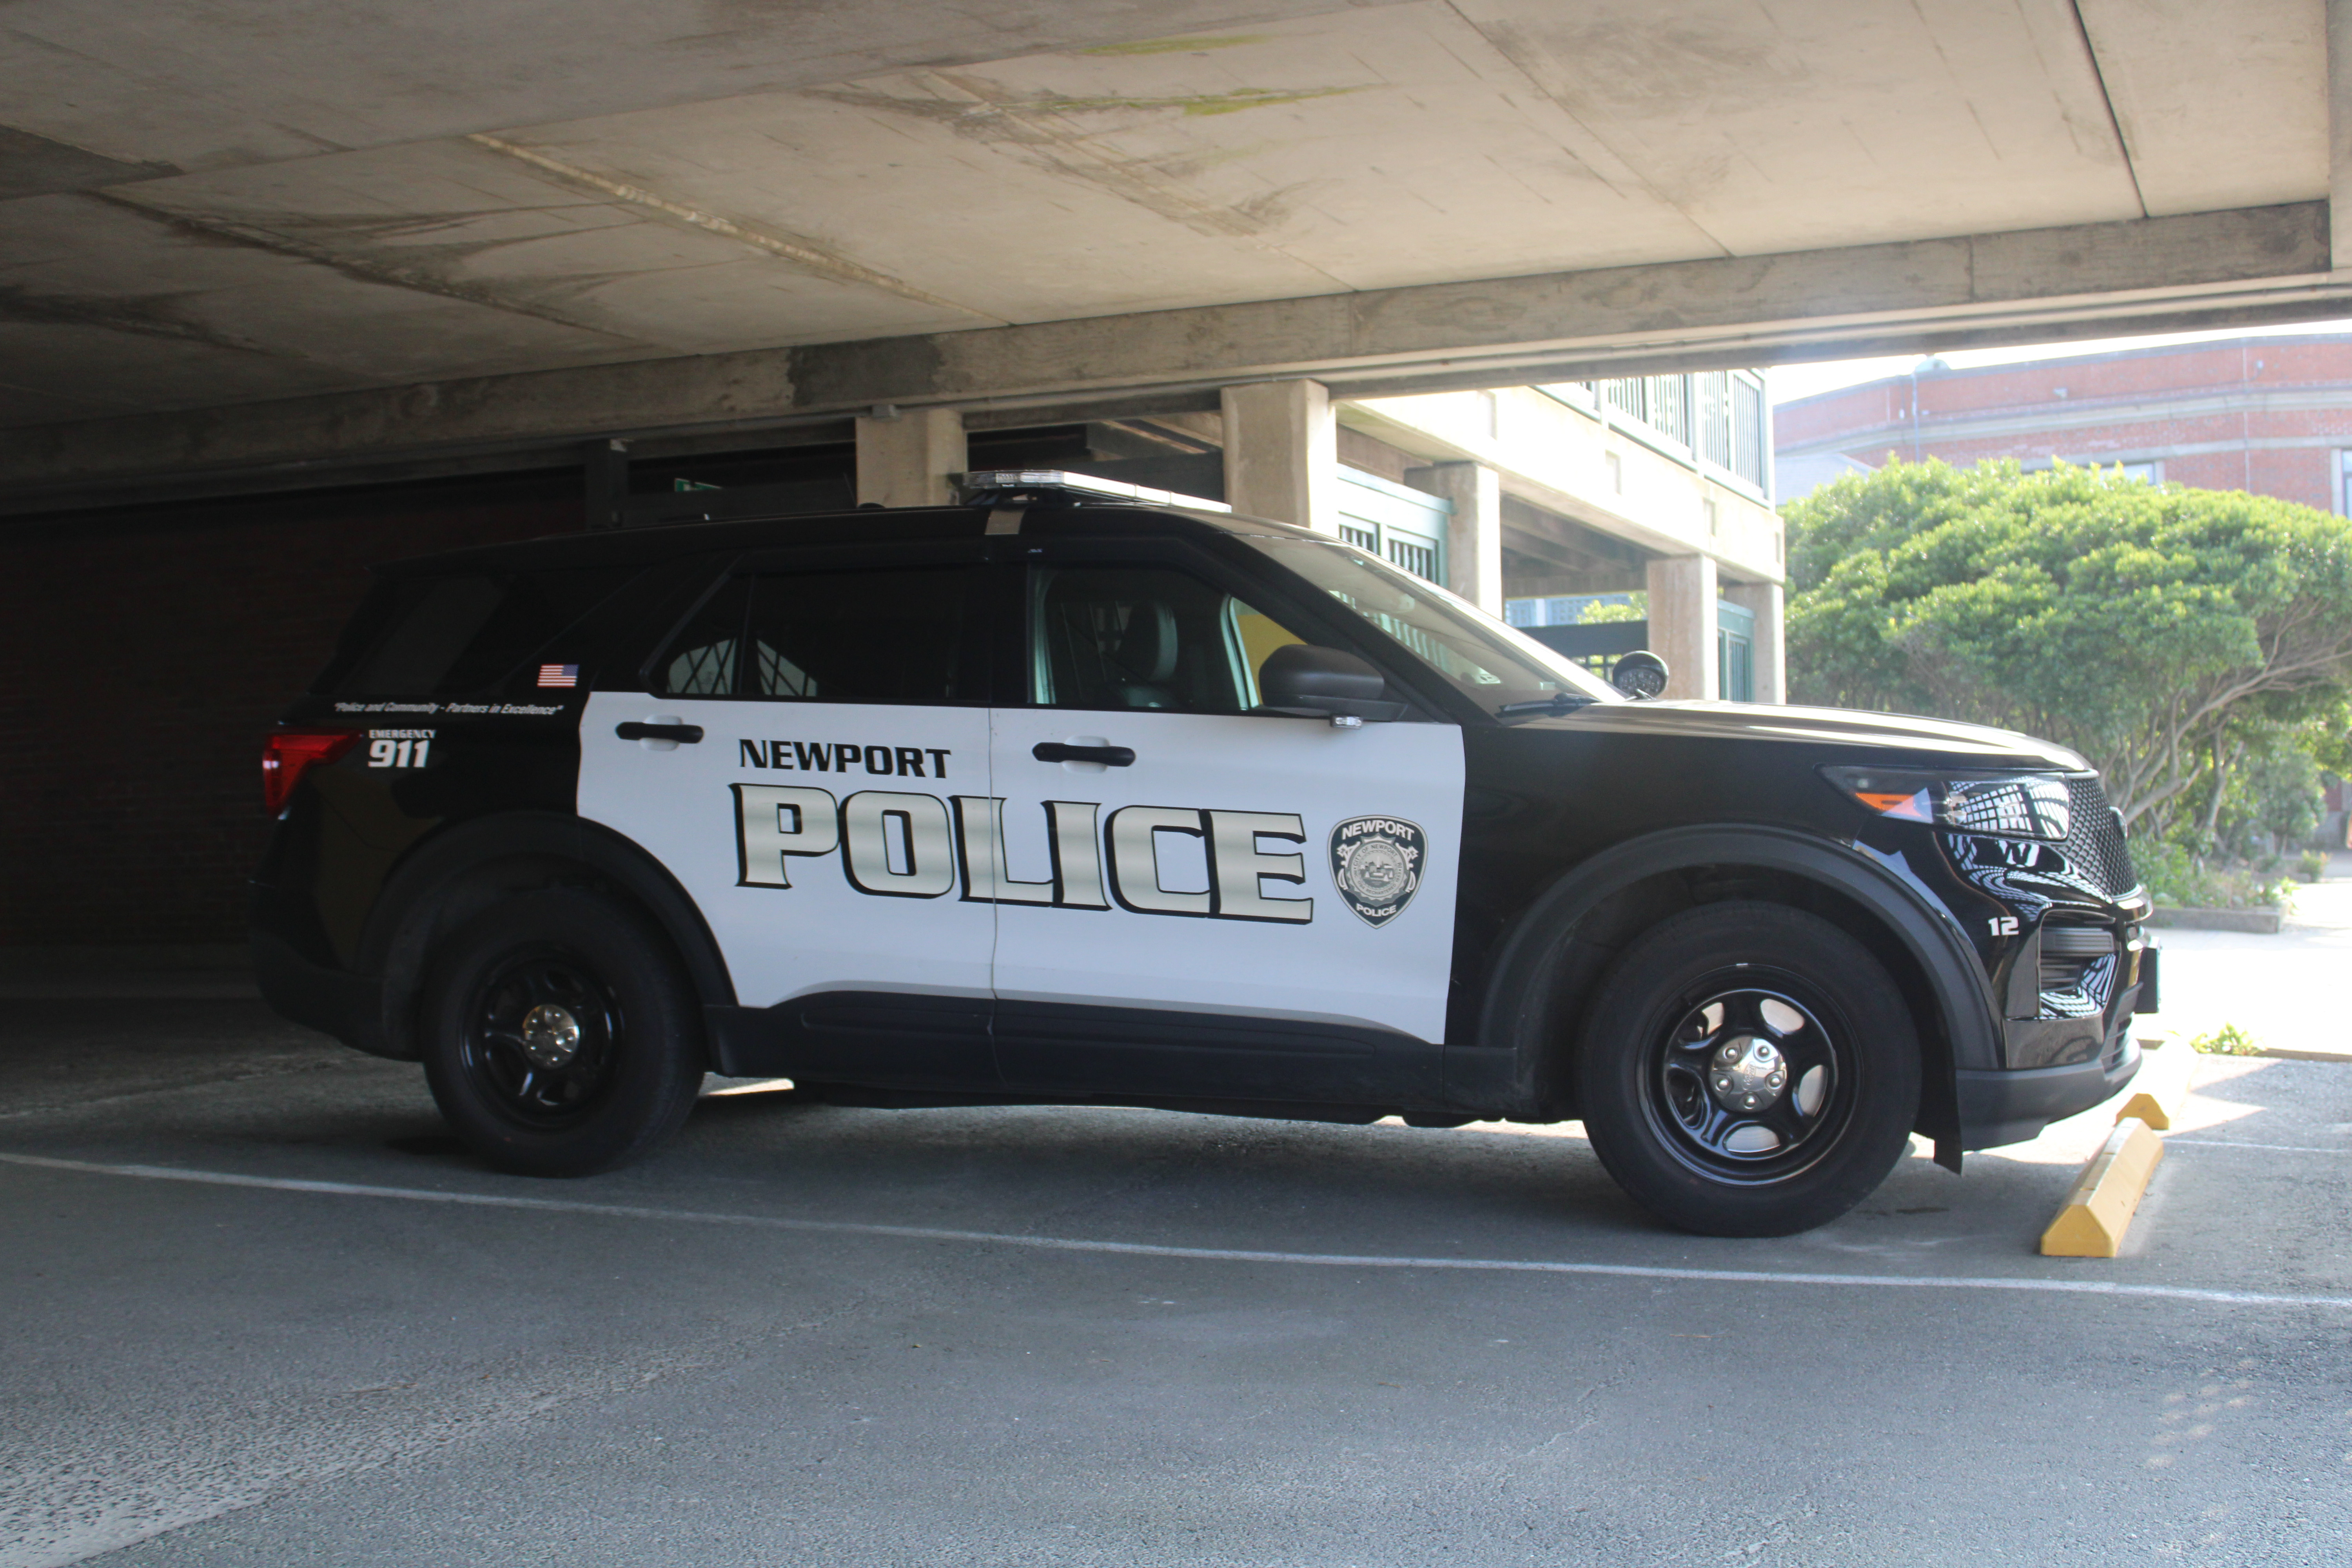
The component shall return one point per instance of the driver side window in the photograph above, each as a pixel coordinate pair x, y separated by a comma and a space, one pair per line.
1144, 637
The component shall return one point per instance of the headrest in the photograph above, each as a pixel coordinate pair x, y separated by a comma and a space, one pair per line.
1147, 648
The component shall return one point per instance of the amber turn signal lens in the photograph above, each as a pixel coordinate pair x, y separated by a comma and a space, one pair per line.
1911, 807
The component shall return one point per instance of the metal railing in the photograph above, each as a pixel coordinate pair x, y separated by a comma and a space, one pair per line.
1717, 417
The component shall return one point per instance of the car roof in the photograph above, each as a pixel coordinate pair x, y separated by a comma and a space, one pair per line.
1052, 514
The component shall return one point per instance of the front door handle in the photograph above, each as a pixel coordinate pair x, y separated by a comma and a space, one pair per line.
689, 733
1110, 756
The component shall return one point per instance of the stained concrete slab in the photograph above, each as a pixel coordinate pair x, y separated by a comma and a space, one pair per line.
320, 198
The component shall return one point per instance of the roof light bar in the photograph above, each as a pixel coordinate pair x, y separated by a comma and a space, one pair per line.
1084, 487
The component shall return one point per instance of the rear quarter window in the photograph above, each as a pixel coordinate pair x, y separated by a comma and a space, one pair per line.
431, 636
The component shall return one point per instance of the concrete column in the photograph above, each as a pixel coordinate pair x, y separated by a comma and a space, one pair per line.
1282, 453
1682, 624
1474, 539
2339, 132
606, 465
1766, 601
905, 460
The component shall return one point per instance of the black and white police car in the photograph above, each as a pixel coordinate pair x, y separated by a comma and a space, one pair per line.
1063, 798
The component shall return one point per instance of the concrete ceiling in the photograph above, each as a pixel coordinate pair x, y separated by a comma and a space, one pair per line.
209, 203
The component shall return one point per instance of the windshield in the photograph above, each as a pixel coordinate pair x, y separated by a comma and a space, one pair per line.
1491, 663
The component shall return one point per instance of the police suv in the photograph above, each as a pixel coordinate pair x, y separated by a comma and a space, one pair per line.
1060, 797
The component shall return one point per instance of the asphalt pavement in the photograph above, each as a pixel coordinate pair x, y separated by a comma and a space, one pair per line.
259, 1308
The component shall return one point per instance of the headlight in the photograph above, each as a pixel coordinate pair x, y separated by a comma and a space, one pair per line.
2013, 805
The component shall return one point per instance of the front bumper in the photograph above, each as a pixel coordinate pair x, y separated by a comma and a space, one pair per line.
1998, 1108
2012, 1105
2058, 1066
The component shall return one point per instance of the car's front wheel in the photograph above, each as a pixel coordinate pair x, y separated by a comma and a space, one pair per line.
1749, 1069
560, 1036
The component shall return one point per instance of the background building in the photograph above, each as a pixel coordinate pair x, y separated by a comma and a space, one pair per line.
2268, 414
1649, 493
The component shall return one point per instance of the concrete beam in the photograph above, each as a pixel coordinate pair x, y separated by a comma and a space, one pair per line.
2223, 269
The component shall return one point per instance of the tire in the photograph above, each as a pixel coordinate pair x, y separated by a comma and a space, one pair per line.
561, 1036
1749, 1069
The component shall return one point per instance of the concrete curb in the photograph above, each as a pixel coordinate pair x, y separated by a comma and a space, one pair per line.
2151, 1045
2265, 921
2106, 1195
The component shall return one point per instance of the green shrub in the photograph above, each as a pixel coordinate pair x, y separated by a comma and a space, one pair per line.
2228, 1040
2178, 879
2312, 866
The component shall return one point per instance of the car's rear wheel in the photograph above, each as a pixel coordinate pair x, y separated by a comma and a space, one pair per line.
560, 1036
1749, 1069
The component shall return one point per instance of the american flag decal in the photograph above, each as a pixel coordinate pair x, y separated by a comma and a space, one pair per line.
558, 674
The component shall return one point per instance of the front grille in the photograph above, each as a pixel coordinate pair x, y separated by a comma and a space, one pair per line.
2094, 845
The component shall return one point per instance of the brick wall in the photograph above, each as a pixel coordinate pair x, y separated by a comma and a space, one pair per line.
2265, 414
145, 653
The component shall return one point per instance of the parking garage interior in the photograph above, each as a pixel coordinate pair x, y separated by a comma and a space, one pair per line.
287, 294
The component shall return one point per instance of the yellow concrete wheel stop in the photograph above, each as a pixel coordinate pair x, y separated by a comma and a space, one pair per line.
2160, 1090
2100, 1208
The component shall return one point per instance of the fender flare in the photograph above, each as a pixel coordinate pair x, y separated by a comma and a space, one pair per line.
1513, 1016
394, 940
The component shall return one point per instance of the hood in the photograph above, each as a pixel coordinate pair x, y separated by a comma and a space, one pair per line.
1971, 745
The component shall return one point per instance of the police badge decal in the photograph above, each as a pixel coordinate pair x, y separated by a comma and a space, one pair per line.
1376, 861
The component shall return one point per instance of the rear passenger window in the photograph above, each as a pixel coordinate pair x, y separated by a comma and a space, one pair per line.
895, 635
434, 635
700, 660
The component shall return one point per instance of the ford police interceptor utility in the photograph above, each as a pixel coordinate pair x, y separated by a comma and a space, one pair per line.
1056, 798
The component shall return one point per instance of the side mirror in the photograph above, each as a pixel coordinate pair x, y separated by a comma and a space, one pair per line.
1640, 674
1307, 682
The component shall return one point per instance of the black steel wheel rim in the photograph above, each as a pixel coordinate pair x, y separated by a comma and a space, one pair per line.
1708, 1086
543, 1037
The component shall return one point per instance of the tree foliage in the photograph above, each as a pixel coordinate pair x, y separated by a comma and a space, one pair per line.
2160, 631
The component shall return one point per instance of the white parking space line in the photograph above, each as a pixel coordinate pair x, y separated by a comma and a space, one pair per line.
1204, 1253
2188, 1141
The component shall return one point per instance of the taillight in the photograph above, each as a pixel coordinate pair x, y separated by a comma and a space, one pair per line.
287, 754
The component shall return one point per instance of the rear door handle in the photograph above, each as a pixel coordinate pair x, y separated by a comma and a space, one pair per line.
1110, 756
632, 730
